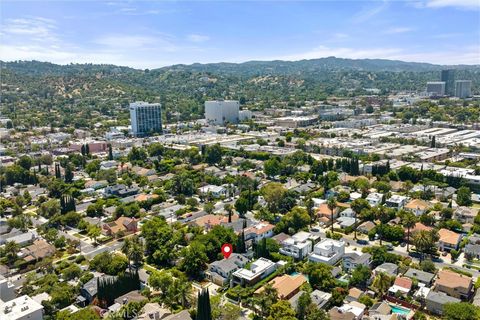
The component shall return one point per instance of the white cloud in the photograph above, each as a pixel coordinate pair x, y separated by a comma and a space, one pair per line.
197, 38
34, 27
398, 30
466, 4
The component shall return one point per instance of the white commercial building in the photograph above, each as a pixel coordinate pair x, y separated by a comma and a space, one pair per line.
21, 308
436, 88
328, 251
146, 118
463, 88
220, 112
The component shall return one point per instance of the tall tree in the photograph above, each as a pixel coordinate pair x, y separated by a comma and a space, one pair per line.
408, 221
357, 206
332, 205
204, 311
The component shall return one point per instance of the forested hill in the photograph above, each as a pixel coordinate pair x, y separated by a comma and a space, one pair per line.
250, 68
79, 92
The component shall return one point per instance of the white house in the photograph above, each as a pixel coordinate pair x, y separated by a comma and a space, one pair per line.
259, 231
299, 245
396, 201
374, 198
354, 259
215, 191
328, 251
259, 269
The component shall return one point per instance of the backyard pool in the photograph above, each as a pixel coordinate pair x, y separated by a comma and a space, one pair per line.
399, 310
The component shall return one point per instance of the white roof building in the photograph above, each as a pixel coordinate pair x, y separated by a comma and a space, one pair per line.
328, 251
21, 308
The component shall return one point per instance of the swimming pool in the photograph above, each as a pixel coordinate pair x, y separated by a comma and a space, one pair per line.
399, 310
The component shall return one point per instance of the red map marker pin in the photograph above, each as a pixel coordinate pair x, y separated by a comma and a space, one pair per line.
227, 250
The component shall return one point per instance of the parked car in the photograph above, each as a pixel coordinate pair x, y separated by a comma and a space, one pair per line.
362, 241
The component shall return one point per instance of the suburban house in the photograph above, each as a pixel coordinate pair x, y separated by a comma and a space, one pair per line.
324, 211
354, 294
389, 268
379, 309
287, 286
320, 298
299, 245
121, 190
472, 251
215, 191
435, 301
402, 285
39, 250
354, 259
417, 206
123, 224
396, 201
259, 269
349, 213
328, 251
374, 198
465, 214
455, 285
353, 310
366, 227
449, 240
423, 277
89, 290
219, 272
259, 231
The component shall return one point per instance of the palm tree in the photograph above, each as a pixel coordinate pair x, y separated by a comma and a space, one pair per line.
332, 204
309, 204
382, 215
381, 283
10, 251
357, 206
229, 208
425, 241
132, 248
408, 221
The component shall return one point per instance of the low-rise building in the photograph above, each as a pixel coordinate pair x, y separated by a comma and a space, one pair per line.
259, 231
455, 285
259, 269
287, 286
435, 301
423, 277
215, 191
396, 201
21, 308
299, 245
328, 251
220, 272
449, 240
122, 224
354, 259
417, 206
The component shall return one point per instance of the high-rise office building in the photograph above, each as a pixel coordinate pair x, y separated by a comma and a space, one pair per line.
463, 88
436, 88
146, 118
448, 76
220, 112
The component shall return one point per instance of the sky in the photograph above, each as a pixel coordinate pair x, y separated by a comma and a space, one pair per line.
152, 34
